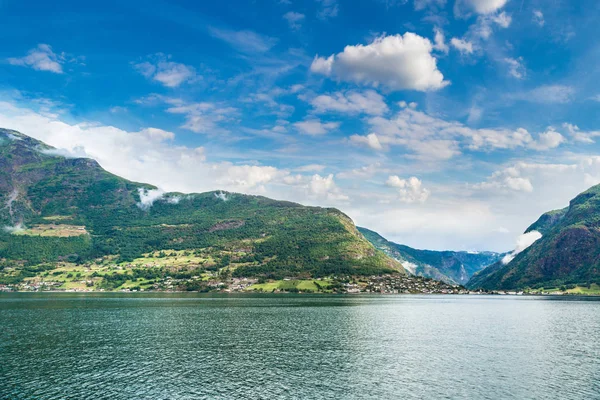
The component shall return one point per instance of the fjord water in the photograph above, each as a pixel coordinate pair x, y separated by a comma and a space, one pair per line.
178, 346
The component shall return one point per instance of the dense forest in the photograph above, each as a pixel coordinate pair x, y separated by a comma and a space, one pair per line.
57, 209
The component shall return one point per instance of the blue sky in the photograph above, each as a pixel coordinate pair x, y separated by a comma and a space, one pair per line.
439, 123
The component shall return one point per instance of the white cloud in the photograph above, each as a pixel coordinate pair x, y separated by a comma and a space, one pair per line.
548, 140
410, 190
324, 187
147, 155
315, 127
515, 67
538, 18
202, 117
433, 4
395, 62
168, 73
244, 41
483, 6
365, 171
440, 41
503, 19
546, 94
523, 241
520, 176
14, 229
148, 197
371, 140
294, 19
41, 58
351, 102
249, 176
222, 196
432, 138
579, 135
508, 179
310, 168
464, 46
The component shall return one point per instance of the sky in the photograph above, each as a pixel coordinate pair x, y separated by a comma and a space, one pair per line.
441, 124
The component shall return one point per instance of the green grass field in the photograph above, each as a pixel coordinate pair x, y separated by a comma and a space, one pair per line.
594, 289
287, 285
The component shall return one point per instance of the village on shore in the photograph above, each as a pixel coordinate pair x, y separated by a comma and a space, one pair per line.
385, 284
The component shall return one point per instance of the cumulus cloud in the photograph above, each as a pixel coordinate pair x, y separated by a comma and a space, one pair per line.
433, 138
463, 46
41, 58
395, 62
324, 187
315, 127
520, 176
579, 135
249, 176
294, 19
439, 41
351, 102
147, 155
170, 74
371, 140
548, 140
523, 242
481, 6
410, 190
148, 197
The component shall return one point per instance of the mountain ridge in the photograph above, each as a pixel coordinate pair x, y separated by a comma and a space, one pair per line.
57, 209
568, 253
453, 267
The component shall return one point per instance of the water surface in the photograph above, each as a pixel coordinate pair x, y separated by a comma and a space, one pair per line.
178, 346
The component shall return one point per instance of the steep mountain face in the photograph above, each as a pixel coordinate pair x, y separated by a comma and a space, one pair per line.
567, 253
455, 267
55, 209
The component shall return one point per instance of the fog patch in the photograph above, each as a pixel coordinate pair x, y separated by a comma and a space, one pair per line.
14, 229
410, 267
222, 196
76, 152
523, 242
148, 197
174, 199
12, 137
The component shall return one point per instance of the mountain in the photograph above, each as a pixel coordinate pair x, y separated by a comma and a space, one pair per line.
455, 267
568, 253
69, 210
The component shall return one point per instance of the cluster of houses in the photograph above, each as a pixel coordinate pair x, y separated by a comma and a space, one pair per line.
394, 284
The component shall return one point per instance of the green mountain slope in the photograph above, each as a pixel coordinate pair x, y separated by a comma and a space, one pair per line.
568, 252
455, 267
56, 209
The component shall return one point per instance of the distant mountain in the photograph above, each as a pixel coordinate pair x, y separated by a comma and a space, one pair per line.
454, 267
567, 253
57, 209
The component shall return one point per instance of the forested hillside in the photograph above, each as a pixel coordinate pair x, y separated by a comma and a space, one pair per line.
56, 209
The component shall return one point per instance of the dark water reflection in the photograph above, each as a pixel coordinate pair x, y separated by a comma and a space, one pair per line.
110, 346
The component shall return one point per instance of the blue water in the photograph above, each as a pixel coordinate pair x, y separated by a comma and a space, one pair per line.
178, 346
